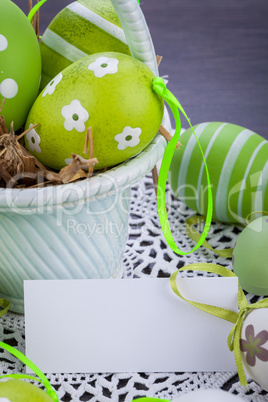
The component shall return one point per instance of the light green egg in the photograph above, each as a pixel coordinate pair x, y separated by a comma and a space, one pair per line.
237, 160
250, 257
20, 64
12, 390
109, 92
82, 28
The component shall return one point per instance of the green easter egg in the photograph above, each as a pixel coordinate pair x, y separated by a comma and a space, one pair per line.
82, 28
237, 161
250, 257
109, 92
12, 390
20, 64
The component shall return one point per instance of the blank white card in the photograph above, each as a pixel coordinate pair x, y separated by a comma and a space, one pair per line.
127, 325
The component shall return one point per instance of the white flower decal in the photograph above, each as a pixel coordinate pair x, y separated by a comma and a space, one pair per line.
33, 140
130, 137
103, 66
51, 86
75, 116
5, 400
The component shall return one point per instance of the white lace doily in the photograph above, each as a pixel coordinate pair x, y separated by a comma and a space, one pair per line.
147, 254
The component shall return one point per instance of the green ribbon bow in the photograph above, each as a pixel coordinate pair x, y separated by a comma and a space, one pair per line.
236, 318
160, 88
235, 334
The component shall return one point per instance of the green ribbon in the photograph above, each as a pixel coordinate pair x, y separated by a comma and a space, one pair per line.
42, 378
237, 319
160, 88
264, 213
5, 306
195, 236
35, 9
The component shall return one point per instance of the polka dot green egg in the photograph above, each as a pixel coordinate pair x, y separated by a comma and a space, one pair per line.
109, 92
83, 27
20, 63
237, 160
12, 390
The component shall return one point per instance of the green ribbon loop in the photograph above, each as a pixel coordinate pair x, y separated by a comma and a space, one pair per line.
42, 378
5, 306
245, 308
160, 88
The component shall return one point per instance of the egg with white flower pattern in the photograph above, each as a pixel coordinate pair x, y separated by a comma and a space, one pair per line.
20, 64
254, 346
12, 390
109, 92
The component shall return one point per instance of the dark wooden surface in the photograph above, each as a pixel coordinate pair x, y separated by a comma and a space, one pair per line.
215, 53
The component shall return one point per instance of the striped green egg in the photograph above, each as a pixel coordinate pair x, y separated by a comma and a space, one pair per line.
82, 28
237, 160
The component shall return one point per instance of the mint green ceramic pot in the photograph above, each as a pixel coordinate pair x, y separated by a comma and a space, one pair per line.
78, 230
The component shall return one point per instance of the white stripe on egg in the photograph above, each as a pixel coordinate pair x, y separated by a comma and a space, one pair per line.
211, 142
226, 174
97, 20
261, 189
243, 184
61, 46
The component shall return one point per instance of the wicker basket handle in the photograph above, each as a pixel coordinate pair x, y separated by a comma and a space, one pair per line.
137, 32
